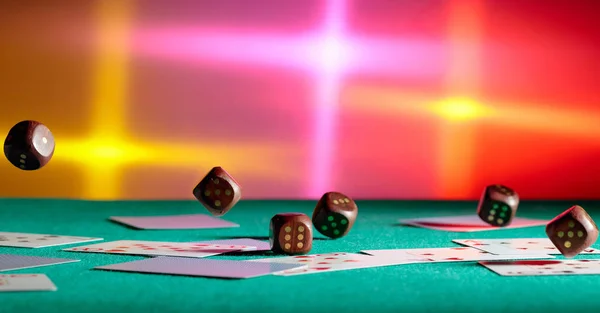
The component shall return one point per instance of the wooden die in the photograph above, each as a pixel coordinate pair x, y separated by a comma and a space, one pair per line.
334, 215
290, 233
218, 191
572, 231
29, 145
498, 205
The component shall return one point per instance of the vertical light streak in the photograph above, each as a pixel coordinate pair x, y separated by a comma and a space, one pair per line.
109, 95
331, 54
457, 136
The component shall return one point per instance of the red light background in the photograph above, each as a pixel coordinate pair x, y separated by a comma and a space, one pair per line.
374, 98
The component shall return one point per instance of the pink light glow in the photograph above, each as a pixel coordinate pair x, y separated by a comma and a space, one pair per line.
202, 45
329, 73
328, 54
411, 58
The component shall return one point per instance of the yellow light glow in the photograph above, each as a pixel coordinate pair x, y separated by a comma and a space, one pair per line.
546, 118
461, 116
105, 158
459, 109
110, 83
103, 150
108, 151
463, 76
103, 153
385, 100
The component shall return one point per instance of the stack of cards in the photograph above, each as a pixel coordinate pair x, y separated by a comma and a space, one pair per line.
174, 258
508, 257
309, 264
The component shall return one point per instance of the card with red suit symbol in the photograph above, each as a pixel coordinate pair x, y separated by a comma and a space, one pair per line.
159, 248
253, 244
544, 267
467, 223
28, 240
516, 246
330, 262
456, 254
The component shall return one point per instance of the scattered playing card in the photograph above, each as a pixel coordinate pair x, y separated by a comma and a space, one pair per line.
159, 248
253, 244
26, 282
25, 240
201, 267
459, 254
190, 221
330, 262
544, 267
16, 262
467, 223
516, 246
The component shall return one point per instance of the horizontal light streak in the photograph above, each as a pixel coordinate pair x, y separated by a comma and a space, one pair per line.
581, 123
265, 158
383, 56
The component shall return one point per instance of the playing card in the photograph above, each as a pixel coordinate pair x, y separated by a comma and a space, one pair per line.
25, 240
190, 221
16, 262
26, 282
253, 244
467, 223
516, 246
544, 267
458, 254
201, 267
159, 248
330, 262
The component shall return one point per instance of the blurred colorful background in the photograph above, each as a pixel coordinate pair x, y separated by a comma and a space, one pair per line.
383, 99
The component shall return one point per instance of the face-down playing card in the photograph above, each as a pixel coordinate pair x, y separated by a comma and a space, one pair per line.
330, 262
159, 248
201, 267
458, 254
26, 282
544, 267
467, 223
516, 246
188, 221
15, 262
26, 240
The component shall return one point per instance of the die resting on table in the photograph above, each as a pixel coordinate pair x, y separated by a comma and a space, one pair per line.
572, 231
334, 215
29, 145
218, 191
498, 205
290, 233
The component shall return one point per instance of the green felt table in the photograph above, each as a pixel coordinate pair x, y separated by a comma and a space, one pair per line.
435, 287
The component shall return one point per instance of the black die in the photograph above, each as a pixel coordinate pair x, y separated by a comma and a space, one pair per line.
498, 205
